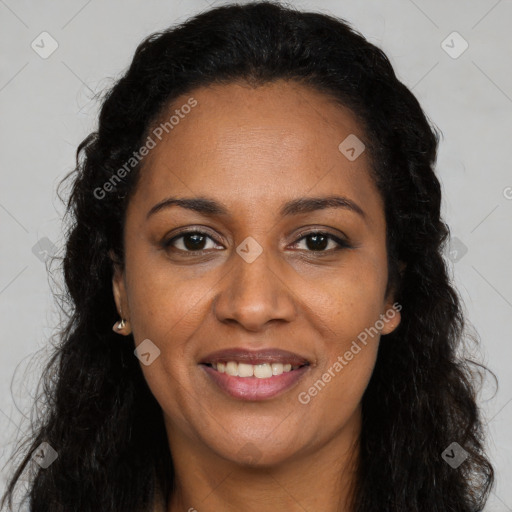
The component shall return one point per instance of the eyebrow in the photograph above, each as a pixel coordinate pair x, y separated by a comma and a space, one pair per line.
301, 205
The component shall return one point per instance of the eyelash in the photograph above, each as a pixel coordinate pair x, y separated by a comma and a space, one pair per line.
342, 244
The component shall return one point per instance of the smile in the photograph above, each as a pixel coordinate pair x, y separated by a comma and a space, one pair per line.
254, 374
254, 382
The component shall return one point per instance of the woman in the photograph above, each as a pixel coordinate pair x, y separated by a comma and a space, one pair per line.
258, 218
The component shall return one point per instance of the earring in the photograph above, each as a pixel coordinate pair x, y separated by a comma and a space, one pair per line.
119, 326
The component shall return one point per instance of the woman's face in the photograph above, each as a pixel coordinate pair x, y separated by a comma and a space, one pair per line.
258, 276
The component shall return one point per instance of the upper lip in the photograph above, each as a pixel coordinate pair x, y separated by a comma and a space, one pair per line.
270, 355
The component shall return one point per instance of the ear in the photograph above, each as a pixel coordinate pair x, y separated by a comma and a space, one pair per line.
391, 316
119, 292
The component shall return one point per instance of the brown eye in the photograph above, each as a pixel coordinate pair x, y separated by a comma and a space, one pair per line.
318, 241
190, 241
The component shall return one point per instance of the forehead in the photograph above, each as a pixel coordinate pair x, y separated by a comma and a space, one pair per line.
246, 145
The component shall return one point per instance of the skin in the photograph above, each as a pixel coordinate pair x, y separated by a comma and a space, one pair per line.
252, 149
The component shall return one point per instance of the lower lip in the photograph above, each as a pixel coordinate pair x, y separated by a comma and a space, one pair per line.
252, 388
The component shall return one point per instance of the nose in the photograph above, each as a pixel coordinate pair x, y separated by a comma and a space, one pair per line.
255, 294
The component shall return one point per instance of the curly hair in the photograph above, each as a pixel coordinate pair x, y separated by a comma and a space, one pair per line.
100, 415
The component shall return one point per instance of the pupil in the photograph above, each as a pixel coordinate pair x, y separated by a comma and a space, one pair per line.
315, 239
195, 237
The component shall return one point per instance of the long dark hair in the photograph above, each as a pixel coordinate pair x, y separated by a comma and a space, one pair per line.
102, 419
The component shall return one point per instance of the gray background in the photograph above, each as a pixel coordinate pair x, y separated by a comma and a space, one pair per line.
48, 106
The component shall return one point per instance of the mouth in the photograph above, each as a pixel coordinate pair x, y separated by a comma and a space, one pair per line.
255, 376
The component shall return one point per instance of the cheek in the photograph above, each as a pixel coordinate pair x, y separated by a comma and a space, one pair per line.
334, 398
344, 310
347, 301
167, 306
335, 393
166, 310
163, 301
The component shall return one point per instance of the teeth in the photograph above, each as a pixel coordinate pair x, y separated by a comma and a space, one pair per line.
260, 371
245, 370
232, 368
277, 368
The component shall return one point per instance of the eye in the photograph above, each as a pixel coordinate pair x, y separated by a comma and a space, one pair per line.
189, 241
197, 241
318, 241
